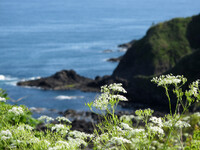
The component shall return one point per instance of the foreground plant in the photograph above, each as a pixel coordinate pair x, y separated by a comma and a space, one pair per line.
140, 131
184, 99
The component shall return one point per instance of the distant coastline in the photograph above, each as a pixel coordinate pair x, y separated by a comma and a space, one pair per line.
164, 47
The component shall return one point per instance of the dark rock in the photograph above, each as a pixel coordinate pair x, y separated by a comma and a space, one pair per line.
159, 50
115, 59
127, 45
83, 126
168, 47
63, 80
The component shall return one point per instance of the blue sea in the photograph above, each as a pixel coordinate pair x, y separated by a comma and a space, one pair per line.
41, 37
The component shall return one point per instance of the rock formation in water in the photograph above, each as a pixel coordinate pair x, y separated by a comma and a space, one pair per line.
168, 47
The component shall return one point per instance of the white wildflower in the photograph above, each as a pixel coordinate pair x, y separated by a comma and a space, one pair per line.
194, 89
179, 124
63, 119
157, 121
117, 87
137, 118
2, 99
34, 140
197, 114
156, 129
104, 89
16, 110
120, 130
23, 127
168, 79
60, 128
102, 101
60, 145
137, 132
119, 140
5, 135
16, 142
81, 135
186, 118
47, 119
119, 97
63, 144
182, 124
76, 142
127, 118
102, 137
126, 126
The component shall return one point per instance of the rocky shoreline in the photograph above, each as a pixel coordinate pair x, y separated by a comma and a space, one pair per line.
85, 121
162, 50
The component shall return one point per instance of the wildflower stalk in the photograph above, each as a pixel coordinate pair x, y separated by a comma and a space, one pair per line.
167, 93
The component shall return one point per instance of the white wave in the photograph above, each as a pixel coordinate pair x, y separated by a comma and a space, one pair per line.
65, 97
31, 78
34, 78
123, 49
7, 78
2, 77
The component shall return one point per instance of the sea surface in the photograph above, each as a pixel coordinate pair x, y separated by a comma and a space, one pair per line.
41, 37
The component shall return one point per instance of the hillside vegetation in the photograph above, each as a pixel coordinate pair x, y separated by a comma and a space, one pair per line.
161, 48
168, 47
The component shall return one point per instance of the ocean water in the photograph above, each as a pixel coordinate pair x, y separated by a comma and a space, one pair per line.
41, 37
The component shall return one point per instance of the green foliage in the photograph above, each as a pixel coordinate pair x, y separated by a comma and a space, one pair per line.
163, 46
176, 130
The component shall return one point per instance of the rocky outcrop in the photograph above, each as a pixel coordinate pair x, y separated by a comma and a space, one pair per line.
118, 59
70, 80
161, 48
63, 80
127, 45
168, 47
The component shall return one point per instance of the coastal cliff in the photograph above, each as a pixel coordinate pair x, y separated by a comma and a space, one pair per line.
169, 47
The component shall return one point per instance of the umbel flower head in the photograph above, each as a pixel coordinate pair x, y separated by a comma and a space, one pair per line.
194, 89
2, 99
108, 95
16, 110
165, 80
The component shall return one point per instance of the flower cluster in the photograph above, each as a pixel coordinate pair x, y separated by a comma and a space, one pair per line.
194, 90
60, 145
47, 119
157, 121
16, 111
24, 127
119, 97
102, 101
2, 99
108, 95
60, 128
80, 135
127, 118
63, 119
125, 126
117, 87
164, 80
178, 124
156, 130
5, 135
137, 132
118, 140
34, 140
